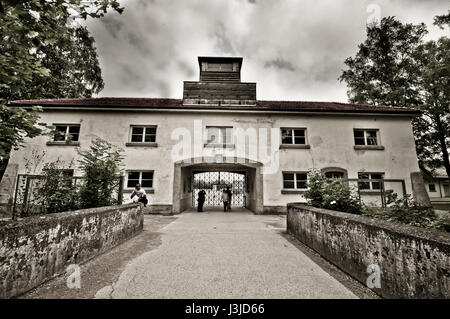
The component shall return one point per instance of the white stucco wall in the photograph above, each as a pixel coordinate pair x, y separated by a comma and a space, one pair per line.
330, 138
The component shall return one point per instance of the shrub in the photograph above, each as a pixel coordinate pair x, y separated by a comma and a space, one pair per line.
101, 167
335, 195
406, 211
56, 192
330, 193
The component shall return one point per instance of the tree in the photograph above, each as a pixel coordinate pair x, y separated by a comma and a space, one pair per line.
44, 53
101, 167
395, 67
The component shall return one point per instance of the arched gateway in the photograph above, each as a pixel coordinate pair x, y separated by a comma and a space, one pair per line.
185, 170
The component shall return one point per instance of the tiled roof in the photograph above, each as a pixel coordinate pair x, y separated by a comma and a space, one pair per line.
299, 106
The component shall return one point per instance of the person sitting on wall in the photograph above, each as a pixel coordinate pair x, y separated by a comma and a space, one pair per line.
140, 193
201, 200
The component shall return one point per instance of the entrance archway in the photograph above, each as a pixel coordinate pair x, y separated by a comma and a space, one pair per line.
251, 187
215, 182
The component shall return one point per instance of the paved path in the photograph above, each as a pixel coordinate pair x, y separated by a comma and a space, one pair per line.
224, 255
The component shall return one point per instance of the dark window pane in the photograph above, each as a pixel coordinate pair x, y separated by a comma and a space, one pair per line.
74, 132
334, 175
132, 182
359, 137
432, 187
301, 177
371, 137
150, 130
301, 184
288, 176
286, 136
376, 176
286, 140
299, 140
133, 175
376, 185
288, 184
150, 138
74, 129
74, 137
363, 185
60, 134
138, 130
147, 183
136, 138
147, 175
299, 133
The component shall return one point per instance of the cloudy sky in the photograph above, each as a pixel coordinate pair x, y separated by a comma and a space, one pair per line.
293, 49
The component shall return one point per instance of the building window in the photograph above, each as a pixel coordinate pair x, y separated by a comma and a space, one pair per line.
219, 136
294, 180
368, 184
220, 67
365, 137
142, 177
295, 136
432, 187
143, 134
66, 132
334, 174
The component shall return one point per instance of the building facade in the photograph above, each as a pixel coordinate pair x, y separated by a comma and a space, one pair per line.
220, 135
438, 185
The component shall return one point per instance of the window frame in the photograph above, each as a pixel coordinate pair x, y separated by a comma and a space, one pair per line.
140, 179
222, 133
366, 137
434, 188
370, 183
67, 133
341, 174
295, 180
144, 133
293, 129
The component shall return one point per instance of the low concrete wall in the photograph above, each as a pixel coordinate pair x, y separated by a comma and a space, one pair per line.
35, 249
414, 262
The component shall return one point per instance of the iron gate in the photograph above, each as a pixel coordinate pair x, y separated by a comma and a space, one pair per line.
213, 183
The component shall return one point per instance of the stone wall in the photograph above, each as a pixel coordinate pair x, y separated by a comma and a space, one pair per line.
414, 262
35, 249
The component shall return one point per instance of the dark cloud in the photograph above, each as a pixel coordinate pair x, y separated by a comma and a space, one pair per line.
222, 42
281, 64
152, 47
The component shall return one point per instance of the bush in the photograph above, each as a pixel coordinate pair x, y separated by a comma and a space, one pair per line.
332, 194
407, 211
56, 192
101, 167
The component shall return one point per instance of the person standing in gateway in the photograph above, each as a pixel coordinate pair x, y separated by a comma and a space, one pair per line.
201, 200
225, 200
230, 194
